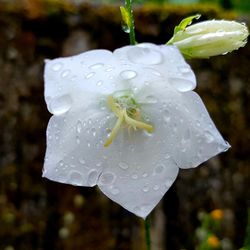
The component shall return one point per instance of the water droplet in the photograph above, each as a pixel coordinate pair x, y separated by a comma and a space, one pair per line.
123, 165
147, 134
209, 137
183, 150
167, 156
145, 189
125, 28
156, 187
198, 123
151, 99
153, 72
182, 84
79, 127
91, 74
93, 131
75, 178
166, 116
159, 168
60, 105
134, 176
145, 175
107, 178
146, 56
65, 73
109, 69
175, 127
61, 163
99, 83
186, 136
115, 191
96, 66
92, 177
78, 141
128, 74
82, 161
57, 66
184, 70
168, 183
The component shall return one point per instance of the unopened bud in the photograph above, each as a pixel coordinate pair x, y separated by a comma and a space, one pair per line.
210, 38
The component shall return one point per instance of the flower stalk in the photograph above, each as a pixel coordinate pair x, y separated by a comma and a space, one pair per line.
128, 19
147, 233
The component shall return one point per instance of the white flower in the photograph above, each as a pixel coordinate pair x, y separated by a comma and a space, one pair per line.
210, 38
143, 94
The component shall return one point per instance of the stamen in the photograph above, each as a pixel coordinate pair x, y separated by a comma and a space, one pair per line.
123, 114
114, 131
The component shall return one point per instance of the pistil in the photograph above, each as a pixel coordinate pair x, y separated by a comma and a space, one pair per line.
126, 115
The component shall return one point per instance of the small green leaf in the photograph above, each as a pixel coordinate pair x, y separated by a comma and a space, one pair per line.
125, 16
185, 22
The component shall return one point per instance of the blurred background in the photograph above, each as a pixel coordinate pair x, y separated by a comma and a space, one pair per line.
37, 214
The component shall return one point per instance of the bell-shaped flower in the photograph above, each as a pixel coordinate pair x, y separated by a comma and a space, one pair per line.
209, 38
126, 121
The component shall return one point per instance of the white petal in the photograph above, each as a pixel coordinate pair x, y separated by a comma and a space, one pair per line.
145, 165
155, 63
198, 138
70, 80
74, 152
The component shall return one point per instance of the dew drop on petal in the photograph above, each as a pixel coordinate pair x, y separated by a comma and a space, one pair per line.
96, 66
209, 137
184, 70
82, 161
92, 177
75, 178
123, 165
159, 168
99, 83
60, 105
57, 66
78, 141
61, 163
65, 73
168, 183
115, 191
166, 116
79, 127
134, 176
182, 84
167, 156
151, 99
91, 74
145, 189
156, 187
144, 56
109, 69
128, 74
107, 178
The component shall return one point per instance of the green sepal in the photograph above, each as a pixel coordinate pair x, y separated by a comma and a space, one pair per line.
185, 22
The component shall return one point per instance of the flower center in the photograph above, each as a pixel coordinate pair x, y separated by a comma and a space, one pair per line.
124, 106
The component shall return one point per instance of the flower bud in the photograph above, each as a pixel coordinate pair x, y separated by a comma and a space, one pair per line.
210, 38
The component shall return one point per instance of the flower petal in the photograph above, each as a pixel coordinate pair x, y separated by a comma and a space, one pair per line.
74, 147
145, 165
158, 63
70, 80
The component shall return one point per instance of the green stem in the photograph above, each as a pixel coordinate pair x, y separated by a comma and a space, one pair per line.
147, 232
128, 4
